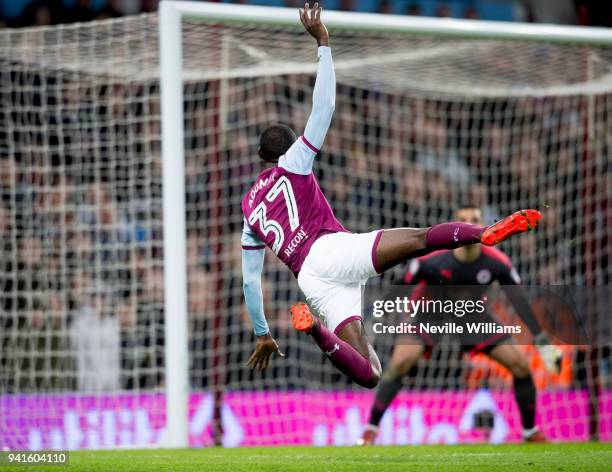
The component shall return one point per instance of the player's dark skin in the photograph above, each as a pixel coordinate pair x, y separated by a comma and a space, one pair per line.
395, 246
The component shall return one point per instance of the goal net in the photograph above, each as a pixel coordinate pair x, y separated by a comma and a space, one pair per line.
422, 122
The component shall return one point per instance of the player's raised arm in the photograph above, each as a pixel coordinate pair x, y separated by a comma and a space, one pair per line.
324, 94
301, 155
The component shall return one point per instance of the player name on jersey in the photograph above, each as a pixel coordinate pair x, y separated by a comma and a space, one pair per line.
259, 184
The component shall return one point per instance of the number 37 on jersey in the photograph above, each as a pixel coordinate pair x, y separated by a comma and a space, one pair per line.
259, 215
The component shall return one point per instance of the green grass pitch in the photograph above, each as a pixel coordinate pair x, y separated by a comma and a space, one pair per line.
549, 457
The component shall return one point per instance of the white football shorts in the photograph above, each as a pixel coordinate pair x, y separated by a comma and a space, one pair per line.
334, 271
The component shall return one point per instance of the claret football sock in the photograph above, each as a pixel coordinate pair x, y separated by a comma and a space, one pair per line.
344, 356
452, 235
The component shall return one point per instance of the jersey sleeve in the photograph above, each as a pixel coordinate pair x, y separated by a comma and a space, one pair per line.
300, 156
252, 266
250, 240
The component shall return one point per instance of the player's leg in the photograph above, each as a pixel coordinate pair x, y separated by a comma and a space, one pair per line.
397, 245
346, 347
511, 358
353, 333
405, 355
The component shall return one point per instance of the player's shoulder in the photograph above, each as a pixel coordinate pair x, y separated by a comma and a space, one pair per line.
298, 160
495, 255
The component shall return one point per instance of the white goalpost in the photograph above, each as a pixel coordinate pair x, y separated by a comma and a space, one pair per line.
126, 146
175, 248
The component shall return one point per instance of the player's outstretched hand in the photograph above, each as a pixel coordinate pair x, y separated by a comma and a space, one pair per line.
264, 348
311, 19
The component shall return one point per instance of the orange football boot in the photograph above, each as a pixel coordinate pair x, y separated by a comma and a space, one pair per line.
301, 317
519, 222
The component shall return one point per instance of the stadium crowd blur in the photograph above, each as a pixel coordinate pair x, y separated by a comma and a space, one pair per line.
19, 13
81, 267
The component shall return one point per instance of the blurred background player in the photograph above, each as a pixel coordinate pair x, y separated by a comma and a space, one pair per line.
478, 266
286, 210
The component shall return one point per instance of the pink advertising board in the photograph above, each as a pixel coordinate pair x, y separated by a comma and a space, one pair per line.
72, 421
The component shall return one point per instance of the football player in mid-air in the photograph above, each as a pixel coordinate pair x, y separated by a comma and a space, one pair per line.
286, 210
478, 266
